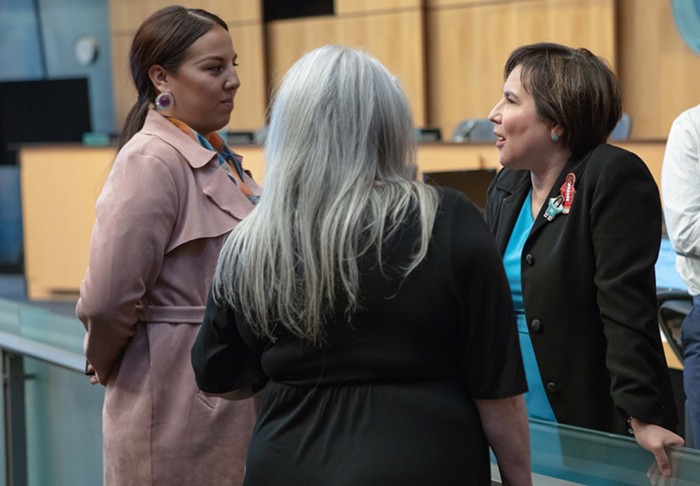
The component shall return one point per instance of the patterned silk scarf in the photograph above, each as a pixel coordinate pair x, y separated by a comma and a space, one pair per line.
230, 162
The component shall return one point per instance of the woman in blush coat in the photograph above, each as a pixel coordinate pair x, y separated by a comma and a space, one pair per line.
174, 193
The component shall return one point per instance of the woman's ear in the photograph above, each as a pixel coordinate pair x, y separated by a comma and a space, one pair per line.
556, 131
159, 77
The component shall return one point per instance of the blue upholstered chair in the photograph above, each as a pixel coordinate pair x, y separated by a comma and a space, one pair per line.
622, 129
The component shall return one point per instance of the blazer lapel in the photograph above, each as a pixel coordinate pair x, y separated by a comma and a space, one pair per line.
514, 186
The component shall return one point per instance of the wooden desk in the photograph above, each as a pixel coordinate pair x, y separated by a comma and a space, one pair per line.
59, 187
671, 359
60, 184
448, 156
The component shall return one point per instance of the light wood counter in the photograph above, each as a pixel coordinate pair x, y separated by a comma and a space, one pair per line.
59, 187
60, 184
448, 156
672, 360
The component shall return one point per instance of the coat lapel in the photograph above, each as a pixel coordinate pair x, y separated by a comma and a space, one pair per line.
514, 185
223, 192
212, 180
206, 178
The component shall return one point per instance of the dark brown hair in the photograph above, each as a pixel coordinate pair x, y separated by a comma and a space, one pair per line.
571, 87
163, 39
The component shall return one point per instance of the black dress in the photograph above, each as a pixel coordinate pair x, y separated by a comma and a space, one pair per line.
389, 398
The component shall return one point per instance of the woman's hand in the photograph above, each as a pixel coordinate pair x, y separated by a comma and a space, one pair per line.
655, 439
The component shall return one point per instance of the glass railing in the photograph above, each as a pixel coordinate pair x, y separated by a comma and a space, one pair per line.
53, 417
42, 326
62, 436
590, 457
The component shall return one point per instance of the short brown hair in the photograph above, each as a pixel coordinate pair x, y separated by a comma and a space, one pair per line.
571, 87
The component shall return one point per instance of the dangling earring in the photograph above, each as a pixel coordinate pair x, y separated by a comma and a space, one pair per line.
164, 101
554, 137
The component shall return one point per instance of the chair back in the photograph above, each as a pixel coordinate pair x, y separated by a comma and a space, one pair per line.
672, 307
622, 129
474, 129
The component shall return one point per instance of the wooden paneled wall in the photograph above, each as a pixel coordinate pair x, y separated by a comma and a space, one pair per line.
391, 30
658, 71
469, 42
449, 54
244, 18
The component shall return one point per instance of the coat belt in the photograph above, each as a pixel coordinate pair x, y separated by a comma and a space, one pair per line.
170, 314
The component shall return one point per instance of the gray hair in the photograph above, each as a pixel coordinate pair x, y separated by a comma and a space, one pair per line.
340, 157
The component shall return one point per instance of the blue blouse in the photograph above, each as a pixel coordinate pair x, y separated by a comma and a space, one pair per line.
536, 398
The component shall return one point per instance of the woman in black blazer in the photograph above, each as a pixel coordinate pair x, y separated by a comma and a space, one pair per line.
578, 223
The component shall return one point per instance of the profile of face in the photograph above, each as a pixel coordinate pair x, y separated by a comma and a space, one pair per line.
205, 84
524, 139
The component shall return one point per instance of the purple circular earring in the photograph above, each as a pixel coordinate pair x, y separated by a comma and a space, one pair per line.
164, 101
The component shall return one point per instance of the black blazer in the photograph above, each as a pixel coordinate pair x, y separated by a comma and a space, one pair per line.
589, 290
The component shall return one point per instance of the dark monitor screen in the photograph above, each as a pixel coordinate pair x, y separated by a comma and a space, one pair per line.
284, 9
47, 110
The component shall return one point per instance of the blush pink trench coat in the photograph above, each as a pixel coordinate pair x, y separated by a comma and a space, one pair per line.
161, 219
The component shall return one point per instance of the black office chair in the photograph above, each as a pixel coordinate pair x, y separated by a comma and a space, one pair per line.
672, 307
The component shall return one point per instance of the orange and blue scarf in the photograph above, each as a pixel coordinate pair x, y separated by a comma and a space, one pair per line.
230, 162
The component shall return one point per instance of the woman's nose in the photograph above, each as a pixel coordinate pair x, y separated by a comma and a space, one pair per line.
494, 114
233, 81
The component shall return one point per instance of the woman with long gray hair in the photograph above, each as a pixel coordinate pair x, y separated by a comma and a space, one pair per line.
369, 310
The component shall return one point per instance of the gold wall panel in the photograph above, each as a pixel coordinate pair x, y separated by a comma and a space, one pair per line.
462, 3
127, 15
343, 7
449, 53
467, 47
658, 71
251, 99
395, 38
